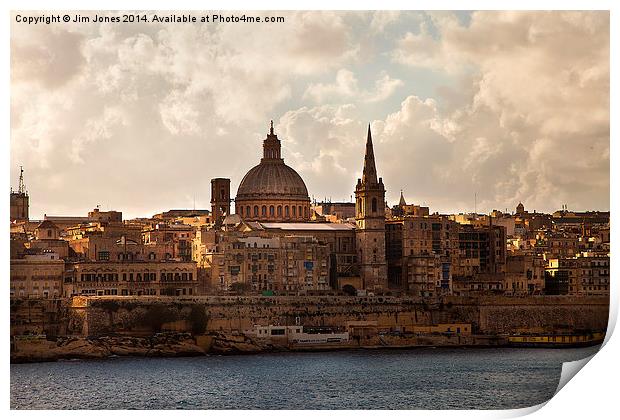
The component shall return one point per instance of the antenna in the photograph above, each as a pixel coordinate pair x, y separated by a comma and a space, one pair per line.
22, 187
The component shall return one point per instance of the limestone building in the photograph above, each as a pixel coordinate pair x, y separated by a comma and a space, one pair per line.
251, 263
220, 199
37, 276
19, 201
131, 278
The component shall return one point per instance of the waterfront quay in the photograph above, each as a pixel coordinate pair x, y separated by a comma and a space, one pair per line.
167, 326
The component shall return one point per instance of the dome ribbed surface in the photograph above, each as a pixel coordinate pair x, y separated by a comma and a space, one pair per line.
271, 179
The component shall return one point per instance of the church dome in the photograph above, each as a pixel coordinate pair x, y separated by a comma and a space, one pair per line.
272, 190
271, 179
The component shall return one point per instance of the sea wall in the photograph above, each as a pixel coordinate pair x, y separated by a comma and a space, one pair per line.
92, 316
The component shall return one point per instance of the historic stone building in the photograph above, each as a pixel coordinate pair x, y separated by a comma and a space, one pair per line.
370, 224
19, 202
220, 199
272, 191
251, 263
37, 276
129, 278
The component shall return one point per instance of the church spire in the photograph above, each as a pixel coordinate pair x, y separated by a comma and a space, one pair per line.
370, 170
402, 201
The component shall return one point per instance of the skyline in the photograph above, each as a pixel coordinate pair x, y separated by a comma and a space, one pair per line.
458, 120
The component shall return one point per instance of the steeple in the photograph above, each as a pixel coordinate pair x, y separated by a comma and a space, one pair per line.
402, 201
369, 176
370, 224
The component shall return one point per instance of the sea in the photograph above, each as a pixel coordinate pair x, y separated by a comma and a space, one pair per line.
428, 378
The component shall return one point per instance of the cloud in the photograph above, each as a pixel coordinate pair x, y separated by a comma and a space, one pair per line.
536, 106
346, 88
140, 117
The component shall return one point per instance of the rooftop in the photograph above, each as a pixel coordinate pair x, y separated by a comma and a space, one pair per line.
309, 226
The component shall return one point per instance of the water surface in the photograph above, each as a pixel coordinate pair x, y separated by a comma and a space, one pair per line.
429, 378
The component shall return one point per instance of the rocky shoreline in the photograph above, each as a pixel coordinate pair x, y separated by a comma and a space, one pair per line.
158, 345
30, 350
37, 349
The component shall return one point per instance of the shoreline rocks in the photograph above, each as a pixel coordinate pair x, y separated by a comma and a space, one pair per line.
37, 349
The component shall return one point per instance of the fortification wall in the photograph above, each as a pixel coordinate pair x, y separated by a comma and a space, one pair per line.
488, 315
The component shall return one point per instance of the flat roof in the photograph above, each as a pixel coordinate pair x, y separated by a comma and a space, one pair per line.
309, 226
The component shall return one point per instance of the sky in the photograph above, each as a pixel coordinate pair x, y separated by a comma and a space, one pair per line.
506, 107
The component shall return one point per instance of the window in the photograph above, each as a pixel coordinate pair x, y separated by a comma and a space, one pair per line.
103, 255
279, 211
286, 214
256, 211
294, 211
271, 213
305, 212
263, 211
299, 211
374, 205
247, 211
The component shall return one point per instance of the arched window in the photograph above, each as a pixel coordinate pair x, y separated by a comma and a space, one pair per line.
256, 211
247, 211
241, 210
270, 211
374, 205
294, 211
305, 212
279, 211
299, 211
263, 211
286, 214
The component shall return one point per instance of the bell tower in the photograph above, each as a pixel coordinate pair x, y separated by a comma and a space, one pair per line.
220, 199
370, 223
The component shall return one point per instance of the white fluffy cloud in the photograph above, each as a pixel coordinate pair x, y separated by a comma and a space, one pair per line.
346, 87
140, 117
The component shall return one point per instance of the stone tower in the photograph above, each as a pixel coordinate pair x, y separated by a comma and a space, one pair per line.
220, 199
19, 202
370, 224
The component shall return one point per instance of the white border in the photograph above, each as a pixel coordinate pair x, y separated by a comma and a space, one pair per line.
593, 393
